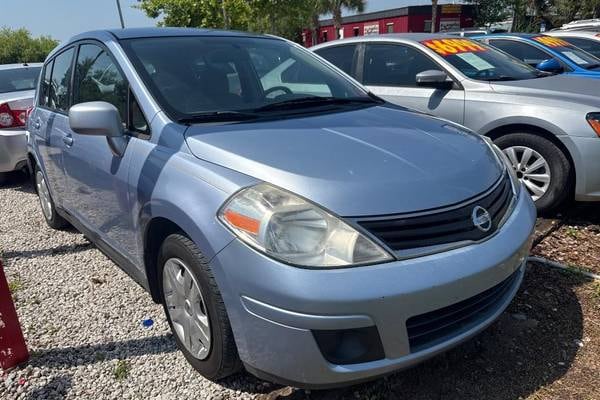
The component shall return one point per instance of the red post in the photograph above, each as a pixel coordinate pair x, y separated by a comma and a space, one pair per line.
13, 350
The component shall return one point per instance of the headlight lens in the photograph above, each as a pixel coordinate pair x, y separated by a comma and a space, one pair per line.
292, 230
594, 120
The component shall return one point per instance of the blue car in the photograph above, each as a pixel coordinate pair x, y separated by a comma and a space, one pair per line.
546, 53
290, 222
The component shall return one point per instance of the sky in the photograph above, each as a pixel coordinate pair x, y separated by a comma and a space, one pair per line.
62, 19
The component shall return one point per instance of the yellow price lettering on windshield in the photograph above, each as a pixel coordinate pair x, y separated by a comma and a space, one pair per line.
448, 47
552, 41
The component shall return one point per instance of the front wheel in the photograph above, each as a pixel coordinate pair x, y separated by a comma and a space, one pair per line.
195, 309
540, 165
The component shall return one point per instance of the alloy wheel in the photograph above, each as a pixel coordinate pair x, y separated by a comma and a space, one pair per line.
531, 168
186, 308
44, 195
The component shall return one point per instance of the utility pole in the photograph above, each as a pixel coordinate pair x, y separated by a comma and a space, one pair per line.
120, 14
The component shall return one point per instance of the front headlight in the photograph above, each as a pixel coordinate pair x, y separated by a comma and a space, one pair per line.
502, 158
295, 231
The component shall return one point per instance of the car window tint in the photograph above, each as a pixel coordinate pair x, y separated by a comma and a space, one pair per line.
394, 65
58, 96
98, 79
525, 52
590, 45
340, 56
45, 84
137, 120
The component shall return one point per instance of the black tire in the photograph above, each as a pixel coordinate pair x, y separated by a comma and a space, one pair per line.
52, 218
559, 187
222, 359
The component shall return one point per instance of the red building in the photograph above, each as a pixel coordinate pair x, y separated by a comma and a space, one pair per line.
406, 19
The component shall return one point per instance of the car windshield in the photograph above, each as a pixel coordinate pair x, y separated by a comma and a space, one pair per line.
18, 79
590, 46
229, 78
481, 62
570, 52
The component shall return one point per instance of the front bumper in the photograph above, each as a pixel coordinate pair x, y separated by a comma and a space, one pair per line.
13, 149
275, 309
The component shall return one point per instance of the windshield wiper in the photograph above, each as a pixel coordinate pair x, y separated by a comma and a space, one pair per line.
592, 66
314, 101
217, 116
502, 78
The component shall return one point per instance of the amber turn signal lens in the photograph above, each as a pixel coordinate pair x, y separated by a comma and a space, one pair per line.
594, 120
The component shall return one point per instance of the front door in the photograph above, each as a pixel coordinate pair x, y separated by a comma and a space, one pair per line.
97, 176
390, 72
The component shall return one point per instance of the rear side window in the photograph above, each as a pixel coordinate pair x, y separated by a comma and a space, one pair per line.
97, 78
45, 85
340, 56
58, 95
395, 65
18, 79
527, 53
590, 45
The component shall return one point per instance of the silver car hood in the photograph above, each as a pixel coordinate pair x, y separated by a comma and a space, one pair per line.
556, 87
373, 161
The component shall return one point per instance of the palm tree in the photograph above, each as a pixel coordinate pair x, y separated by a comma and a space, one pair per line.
335, 8
434, 9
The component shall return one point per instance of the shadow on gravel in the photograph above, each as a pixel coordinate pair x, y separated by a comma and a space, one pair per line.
56, 388
89, 354
531, 345
19, 181
64, 249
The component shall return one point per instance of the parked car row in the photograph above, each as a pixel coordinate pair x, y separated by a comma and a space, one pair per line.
293, 222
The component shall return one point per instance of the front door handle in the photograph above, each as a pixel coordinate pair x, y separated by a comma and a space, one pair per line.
68, 140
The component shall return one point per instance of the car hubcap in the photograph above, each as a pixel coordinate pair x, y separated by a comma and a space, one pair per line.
532, 169
186, 308
43, 194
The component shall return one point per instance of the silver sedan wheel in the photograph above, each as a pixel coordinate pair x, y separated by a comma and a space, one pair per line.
44, 195
186, 308
532, 169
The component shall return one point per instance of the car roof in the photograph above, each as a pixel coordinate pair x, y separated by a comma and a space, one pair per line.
20, 65
131, 33
410, 37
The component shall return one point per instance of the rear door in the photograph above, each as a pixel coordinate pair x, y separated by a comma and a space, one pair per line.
390, 71
49, 125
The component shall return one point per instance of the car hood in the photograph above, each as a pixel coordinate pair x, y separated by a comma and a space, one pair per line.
374, 161
569, 88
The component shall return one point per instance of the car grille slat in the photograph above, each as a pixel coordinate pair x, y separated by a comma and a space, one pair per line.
426, 330
442, 227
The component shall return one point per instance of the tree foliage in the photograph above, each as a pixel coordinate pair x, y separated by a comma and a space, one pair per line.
488, 12
18, 46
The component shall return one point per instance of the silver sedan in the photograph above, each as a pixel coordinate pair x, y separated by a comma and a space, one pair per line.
548, 125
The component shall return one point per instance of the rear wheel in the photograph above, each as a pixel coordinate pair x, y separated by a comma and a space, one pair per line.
52, 218
540, 165
195, 309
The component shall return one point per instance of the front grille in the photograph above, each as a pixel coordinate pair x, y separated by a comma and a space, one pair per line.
437, 326
442, 227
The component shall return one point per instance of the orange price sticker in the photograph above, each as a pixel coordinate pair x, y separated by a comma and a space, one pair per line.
449, 47
551, 41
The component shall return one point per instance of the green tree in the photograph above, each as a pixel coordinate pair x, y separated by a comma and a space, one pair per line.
488, 12
18, 46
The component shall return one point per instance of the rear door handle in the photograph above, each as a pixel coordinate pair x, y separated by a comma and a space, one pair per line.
37, 124
68, 140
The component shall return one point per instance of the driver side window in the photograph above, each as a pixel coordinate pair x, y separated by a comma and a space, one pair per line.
395, 65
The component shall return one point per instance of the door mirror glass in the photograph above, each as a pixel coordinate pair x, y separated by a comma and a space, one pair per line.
550, 65
96, 118
432, 77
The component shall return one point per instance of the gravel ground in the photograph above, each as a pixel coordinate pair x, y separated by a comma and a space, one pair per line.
82, 318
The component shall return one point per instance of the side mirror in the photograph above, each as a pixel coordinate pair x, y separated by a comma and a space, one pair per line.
550, 65
433, 78
96, 118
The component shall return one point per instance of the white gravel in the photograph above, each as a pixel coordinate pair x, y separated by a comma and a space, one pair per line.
82, 319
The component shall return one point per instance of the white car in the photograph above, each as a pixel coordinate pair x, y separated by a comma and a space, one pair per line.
17, 89
586, 40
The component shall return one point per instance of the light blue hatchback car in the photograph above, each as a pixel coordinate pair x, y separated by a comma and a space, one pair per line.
289, 221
